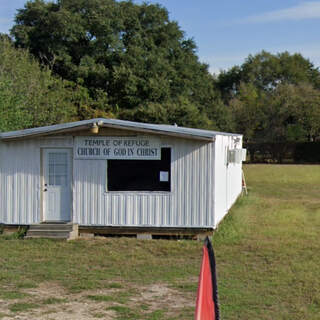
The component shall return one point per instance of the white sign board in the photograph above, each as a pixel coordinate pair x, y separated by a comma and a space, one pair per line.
164, 176
134, 148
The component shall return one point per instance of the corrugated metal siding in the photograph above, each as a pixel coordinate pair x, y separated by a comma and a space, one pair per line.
189, 204
228, 177
20, 179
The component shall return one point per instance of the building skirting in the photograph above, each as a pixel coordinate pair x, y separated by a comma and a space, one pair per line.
154, 231
139, 232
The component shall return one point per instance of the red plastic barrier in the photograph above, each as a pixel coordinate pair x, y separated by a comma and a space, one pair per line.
207, 298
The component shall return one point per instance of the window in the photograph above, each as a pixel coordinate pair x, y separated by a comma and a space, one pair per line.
140, 175
58, 169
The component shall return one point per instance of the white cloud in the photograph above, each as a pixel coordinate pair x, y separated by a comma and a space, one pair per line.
303, 11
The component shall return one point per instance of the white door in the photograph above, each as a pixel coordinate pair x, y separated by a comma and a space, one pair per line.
56, 185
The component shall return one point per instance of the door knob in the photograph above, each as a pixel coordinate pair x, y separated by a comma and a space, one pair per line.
45, 190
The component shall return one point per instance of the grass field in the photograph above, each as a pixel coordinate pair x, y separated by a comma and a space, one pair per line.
267, 252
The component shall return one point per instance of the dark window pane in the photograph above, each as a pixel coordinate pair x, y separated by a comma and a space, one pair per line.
140, 175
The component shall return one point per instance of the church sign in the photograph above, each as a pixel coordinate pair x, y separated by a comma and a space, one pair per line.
134, 148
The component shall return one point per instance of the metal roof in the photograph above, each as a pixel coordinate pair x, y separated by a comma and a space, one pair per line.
196, 134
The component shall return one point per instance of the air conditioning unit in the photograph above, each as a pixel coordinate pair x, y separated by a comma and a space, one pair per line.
237, 155
243, 154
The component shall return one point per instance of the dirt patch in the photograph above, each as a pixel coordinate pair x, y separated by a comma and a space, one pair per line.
159, 296
47, 290
71, 311
53, 302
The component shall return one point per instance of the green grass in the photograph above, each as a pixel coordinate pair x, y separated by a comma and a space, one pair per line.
114, 285
53, 300
82, 265
268, 247
100, 298
8, 295
121, 297
125, 313
267, 252
22, 306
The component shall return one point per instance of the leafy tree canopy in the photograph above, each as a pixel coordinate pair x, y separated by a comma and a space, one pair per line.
273, 98
266, 71
130, 61
291, 112
30, 96
131, 55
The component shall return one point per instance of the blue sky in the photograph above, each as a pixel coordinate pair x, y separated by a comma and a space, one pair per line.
226, 32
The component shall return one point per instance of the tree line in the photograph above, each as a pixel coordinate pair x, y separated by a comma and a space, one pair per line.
70, 60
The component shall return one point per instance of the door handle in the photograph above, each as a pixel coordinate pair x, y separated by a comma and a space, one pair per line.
45, 190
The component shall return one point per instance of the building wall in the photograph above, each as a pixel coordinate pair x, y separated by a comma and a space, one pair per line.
189, 204
20, 179
228, 177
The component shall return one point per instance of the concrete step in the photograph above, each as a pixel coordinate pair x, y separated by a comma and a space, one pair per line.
55, 231
51, 226
45, 233
46, 237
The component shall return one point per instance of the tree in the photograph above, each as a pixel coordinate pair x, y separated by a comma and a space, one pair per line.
273, 98
301, 109
131, 54
181, 112
266, 71
30, 96
290, 113
248, 111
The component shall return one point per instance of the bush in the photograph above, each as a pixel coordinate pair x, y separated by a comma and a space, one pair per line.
307, 152
20, 234
300, 152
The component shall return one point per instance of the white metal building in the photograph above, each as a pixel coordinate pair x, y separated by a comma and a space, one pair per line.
114, 173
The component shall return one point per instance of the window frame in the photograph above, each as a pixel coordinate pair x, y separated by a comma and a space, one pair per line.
106, 191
